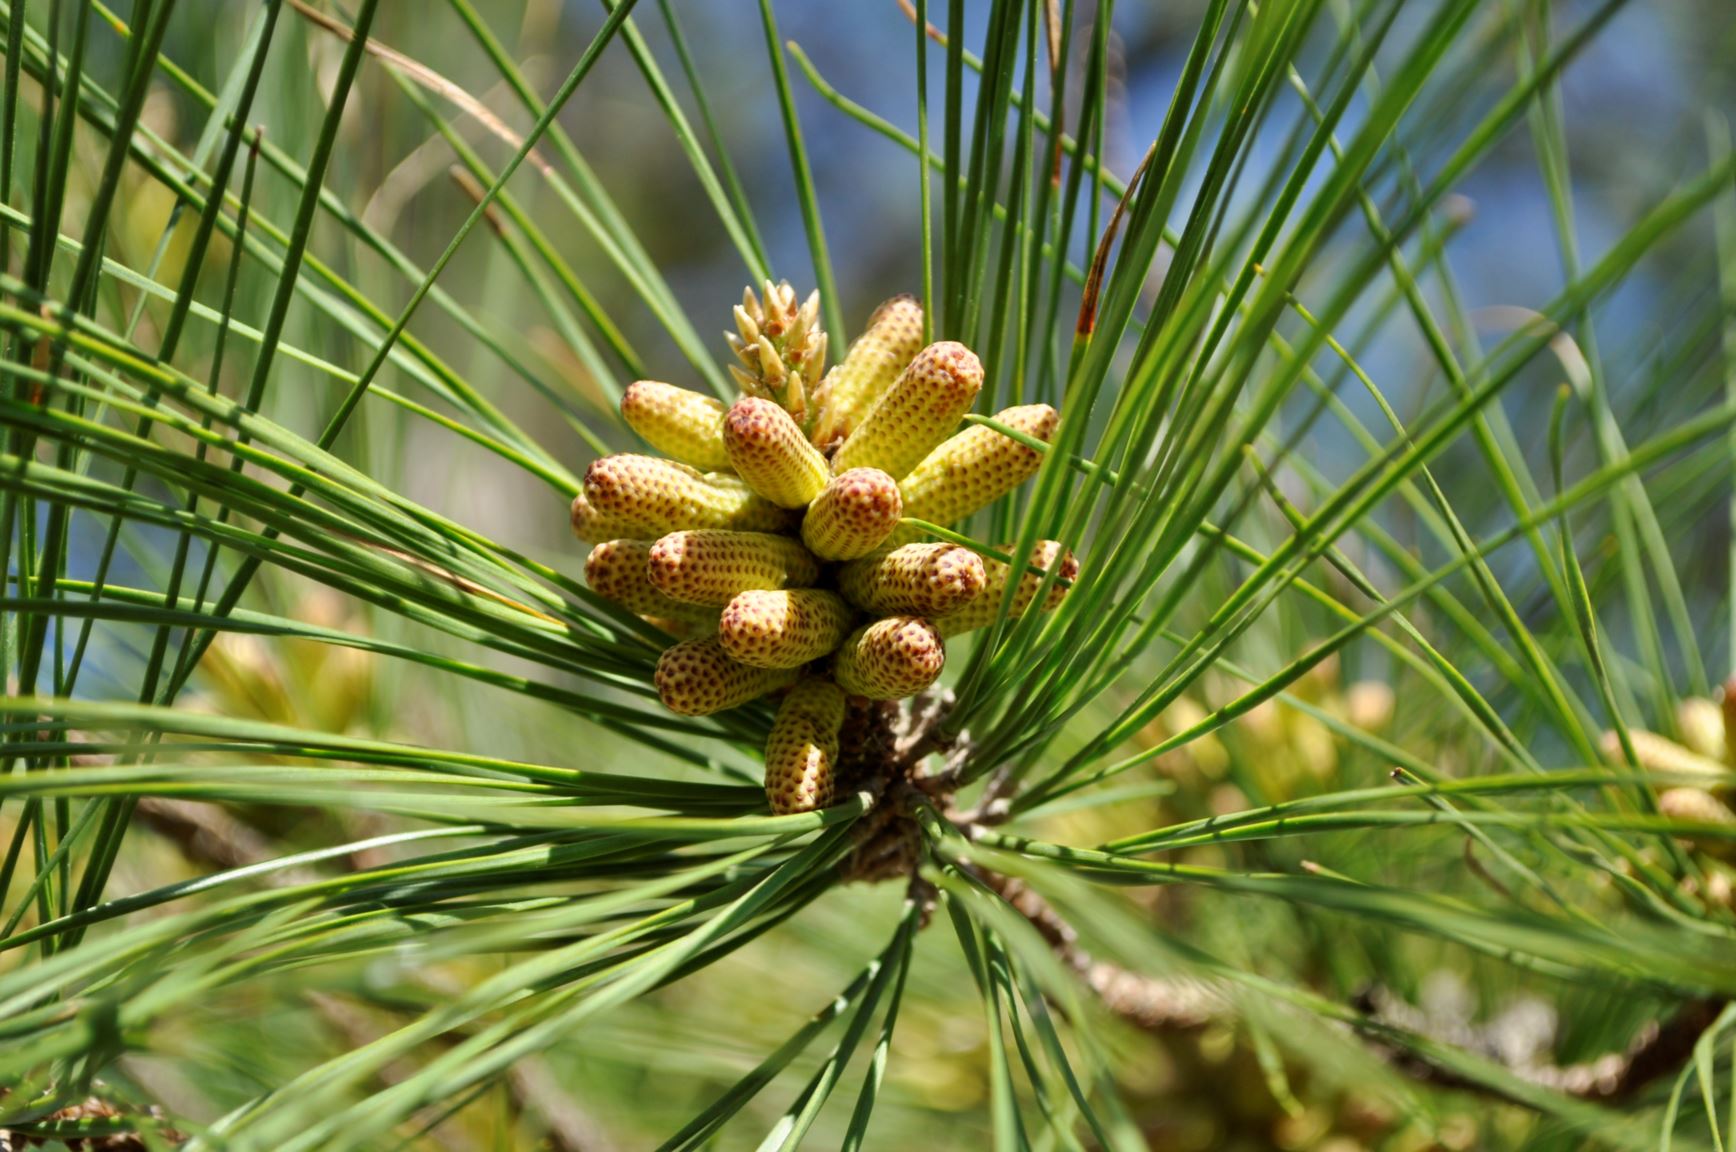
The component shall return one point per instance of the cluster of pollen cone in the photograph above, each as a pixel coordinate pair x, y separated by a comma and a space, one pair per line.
768, 533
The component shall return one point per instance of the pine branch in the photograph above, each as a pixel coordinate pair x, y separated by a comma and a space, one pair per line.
1659, 1050
1153, 1004
1516, 1041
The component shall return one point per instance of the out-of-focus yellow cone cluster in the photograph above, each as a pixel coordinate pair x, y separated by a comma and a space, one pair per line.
768, 533
1703, 762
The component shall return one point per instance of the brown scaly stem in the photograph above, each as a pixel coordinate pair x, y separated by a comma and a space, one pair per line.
94, 1110
884, 748
1659, 1050
1150, 1003
880, 747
